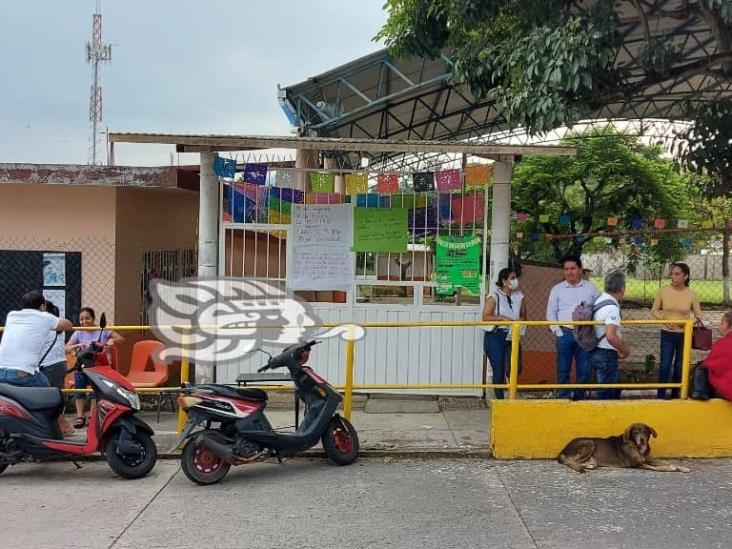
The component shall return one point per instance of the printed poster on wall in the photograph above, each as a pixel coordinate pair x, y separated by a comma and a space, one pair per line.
380, 230
457, 264
54, 269
58, 298
320, 248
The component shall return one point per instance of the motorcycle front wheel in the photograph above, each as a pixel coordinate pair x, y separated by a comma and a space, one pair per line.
340, 441
202, 466
132, 464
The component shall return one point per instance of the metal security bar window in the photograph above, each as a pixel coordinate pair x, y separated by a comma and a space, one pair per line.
256, 219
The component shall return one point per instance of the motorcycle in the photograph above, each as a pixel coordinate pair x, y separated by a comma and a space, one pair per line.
29, 429
236, 431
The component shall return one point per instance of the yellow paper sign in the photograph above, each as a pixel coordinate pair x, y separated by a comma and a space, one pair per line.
707, 224
357, 183
478, 175
612, 221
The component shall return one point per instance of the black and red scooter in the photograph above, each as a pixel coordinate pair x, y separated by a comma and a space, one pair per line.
236, 431
29, 429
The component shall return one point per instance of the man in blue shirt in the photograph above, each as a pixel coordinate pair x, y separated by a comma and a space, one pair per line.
563, 299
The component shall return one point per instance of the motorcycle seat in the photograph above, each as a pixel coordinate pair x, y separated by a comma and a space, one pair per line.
33, 398
234, 392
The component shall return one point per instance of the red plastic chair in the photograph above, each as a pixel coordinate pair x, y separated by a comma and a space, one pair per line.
143, 353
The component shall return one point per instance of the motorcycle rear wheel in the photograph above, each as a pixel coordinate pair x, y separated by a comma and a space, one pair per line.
132, 466
202, 466
341, 445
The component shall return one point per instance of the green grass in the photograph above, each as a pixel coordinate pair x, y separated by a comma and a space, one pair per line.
642, 291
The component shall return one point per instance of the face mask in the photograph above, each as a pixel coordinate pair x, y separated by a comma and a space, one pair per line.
513, 284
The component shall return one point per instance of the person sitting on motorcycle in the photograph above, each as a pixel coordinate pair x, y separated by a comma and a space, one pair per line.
24, 341
80, 340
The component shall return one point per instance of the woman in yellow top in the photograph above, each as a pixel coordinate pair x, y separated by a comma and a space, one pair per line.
676, 301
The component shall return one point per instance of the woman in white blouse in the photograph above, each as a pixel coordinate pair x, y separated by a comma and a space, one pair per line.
506, 303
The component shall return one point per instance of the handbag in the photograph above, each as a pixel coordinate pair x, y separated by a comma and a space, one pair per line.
701, 389
701, 338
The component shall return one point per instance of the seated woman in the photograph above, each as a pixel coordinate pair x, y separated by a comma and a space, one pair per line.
78, 341
719, 359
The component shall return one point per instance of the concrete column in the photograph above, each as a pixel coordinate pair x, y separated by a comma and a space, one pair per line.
305, 158
500, 218
208, 227
339, 185
208, 221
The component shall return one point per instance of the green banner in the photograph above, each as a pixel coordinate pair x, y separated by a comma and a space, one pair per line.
457, 264
380, 230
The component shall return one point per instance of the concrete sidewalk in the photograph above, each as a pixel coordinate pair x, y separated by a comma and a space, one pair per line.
448, 431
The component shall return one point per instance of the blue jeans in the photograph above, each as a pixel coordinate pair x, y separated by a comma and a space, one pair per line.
567, 350
11, 377
604, 362
498, 350
495, 346
672, 348
80, 382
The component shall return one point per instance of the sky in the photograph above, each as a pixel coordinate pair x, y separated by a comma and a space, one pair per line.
178, 66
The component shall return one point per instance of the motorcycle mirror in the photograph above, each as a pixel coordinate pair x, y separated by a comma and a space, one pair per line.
103, 321
269, 356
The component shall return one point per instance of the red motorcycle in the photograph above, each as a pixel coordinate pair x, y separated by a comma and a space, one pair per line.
236, 431
29, 429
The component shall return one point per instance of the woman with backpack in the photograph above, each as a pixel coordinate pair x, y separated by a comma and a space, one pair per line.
675, 301
507, 303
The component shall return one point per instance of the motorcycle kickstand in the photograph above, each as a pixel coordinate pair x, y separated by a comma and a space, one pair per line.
76, 463
277, 455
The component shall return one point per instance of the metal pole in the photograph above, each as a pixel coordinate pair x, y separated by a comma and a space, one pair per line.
348, 397
513, 376
184, 377
686, 358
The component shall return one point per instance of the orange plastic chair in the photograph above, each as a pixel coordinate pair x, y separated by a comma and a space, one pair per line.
144, 352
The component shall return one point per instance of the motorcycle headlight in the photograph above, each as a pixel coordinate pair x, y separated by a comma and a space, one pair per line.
130, 396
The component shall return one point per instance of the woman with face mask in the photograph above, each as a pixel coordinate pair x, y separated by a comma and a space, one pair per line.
506, 303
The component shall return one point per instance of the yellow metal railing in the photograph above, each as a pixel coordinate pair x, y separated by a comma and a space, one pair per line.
512, 386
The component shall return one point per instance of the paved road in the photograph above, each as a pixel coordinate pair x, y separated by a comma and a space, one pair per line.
404, 503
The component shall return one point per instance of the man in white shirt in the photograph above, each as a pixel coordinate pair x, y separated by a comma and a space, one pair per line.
563, 299
24, 339
611, 347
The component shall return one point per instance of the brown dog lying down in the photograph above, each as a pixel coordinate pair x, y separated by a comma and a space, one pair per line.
631, 449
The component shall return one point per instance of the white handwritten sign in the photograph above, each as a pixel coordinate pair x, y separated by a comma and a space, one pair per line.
320, 256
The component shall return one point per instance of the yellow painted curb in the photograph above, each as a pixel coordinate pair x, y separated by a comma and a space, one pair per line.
540, 429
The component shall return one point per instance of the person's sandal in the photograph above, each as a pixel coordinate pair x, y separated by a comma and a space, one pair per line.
79, 423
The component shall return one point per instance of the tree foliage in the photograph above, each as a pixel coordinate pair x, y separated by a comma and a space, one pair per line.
705, 148
613, 175
551, 62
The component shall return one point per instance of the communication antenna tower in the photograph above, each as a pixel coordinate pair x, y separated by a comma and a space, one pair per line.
96, 52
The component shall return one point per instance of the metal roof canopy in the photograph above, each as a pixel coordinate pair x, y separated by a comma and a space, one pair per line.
213, 143
382, 97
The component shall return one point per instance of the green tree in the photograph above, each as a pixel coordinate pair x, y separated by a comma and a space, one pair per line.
549, 63
705, 147
613, 175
